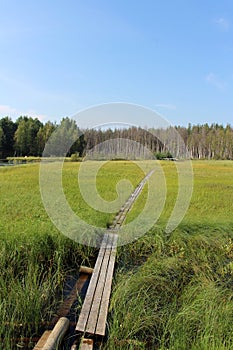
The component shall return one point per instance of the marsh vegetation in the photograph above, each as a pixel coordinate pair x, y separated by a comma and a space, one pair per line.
170, 291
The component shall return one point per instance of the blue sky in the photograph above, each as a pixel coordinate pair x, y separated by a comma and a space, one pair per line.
60, 57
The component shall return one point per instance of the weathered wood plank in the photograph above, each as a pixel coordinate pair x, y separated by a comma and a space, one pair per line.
85, 269
57, 334
82, 321
86, 344
94, 311
39, 345
103, 311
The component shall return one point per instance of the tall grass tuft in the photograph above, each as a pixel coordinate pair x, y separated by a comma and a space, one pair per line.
181, 297
34, 269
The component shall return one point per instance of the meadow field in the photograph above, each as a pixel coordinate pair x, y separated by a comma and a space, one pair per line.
171, 291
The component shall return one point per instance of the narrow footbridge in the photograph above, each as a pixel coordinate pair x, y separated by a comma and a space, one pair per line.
92, 321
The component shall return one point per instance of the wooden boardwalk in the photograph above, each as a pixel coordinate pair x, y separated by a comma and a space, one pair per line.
93, 316
121, 216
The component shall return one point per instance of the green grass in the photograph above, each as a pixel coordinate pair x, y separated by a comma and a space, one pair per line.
170, 291
106, 183
178, 297
176, 291
34, 257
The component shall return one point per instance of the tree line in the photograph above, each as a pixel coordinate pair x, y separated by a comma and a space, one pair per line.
28, 136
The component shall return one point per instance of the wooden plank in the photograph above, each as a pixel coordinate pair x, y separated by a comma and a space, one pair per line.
83, 317
103, 312
86, 344
74, 347
65, 307
94, 311
39, 345
91, 289
85, 269
57, 334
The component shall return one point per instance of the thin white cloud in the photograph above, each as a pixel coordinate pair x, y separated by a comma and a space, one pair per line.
212, 79
7, 110
34, 114
167, 106
13, 113
223, 23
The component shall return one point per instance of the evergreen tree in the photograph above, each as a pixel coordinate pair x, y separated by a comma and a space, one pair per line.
8, 128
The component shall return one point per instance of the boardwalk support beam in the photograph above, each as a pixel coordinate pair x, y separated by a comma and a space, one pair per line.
57, 334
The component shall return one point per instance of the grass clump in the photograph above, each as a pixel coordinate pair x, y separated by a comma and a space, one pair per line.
34, 269
181, 297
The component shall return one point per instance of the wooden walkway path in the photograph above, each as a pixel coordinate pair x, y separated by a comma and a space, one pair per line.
93, 316
121, 216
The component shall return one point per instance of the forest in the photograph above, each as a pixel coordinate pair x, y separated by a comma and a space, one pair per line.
27, 136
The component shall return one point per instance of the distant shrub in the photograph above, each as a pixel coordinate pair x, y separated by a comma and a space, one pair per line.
163, 155
74, 157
